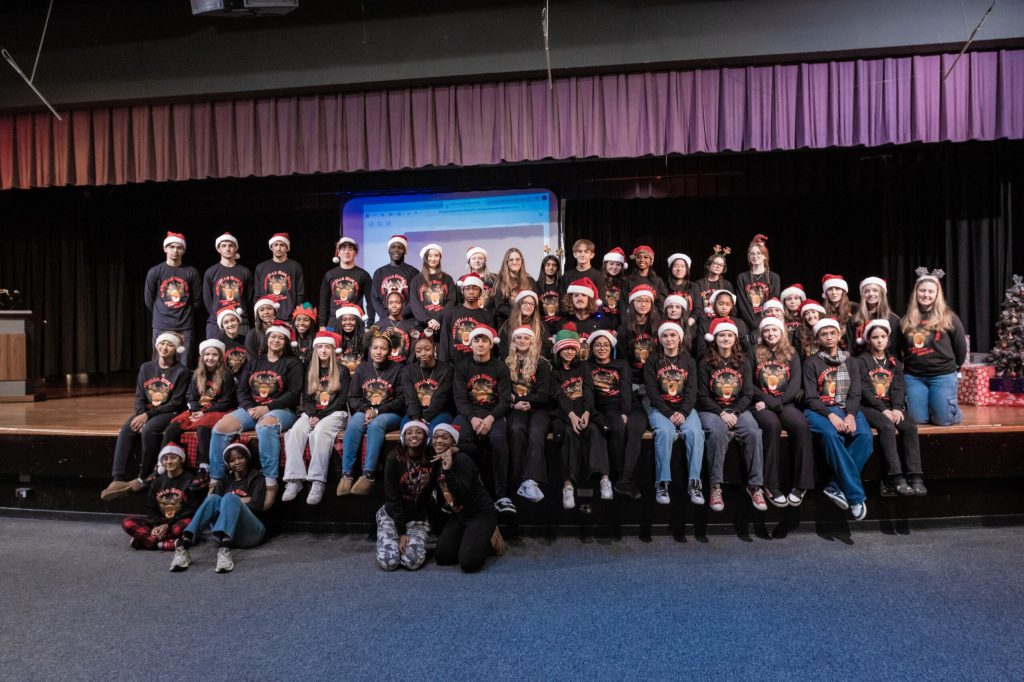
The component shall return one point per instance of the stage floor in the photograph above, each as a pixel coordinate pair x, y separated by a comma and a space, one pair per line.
103, 415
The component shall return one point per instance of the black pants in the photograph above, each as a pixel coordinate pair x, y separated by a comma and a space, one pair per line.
609, 421
150, 439
800, 446
497, 437
466, 541
636, 427
527, 440
172, 434
572, 448
887, 432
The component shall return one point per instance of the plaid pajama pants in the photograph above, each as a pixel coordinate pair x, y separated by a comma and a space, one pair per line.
140, 529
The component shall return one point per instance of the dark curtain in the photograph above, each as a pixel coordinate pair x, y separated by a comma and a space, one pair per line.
81, 263
880, 213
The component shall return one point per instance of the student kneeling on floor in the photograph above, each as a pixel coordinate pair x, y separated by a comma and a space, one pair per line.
230, 511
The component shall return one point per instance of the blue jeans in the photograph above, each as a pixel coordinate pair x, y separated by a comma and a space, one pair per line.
665, 433
845, 453
933, 399
375, 433
443, 418
231, 520
269, 438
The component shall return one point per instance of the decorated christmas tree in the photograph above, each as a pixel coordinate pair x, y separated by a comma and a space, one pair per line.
1008, 353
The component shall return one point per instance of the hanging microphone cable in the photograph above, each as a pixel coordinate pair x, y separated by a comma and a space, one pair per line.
29, 80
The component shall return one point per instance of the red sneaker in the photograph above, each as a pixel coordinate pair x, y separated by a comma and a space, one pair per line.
717, 503
757, 497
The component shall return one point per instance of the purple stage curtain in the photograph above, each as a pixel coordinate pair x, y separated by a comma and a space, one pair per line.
869, 102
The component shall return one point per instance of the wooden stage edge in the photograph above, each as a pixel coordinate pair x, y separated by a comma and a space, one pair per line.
103, 415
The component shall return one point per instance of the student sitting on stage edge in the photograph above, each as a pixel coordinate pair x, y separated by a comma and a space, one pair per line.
159, 395
171, 502
232, 515
409, 479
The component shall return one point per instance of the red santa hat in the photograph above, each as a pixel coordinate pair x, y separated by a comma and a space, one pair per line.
877, 281
772, 322
773, 303
172, 338
170, 450
266, 300
811, 304
342, 242
670, 326
527, 293
450, 429
523, 329
794, 290
679, 256
175, 238
399, 239
280, 237
428, 247
326, 338
470, 280
485, 330
414, 424
583, 285
866, 334
824, 323
714, 297
829, 281
473, 250
212, 343
641, 290
676, 298
280, 327
616, 255
719, 325
610, 335
228, 310
227, 237
350, 309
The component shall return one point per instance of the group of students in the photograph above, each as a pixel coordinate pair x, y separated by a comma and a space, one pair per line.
489, 364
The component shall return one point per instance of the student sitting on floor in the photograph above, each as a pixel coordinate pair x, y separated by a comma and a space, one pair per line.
159, 395
471, 532
409, 478
232, 515
171, 503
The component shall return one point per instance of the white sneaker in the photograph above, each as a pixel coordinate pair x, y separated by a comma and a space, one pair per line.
606, 489
316, 492
661, 493
859, 511
224, 561
696, 496
530, 490
181, 560
291, 491
568, 499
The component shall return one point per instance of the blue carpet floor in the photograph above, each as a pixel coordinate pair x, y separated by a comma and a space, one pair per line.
77, 603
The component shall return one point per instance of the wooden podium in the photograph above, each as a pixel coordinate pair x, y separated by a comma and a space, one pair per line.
14, 380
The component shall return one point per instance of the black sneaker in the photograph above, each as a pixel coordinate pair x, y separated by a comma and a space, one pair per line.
627, 488
917, 487
505, 506
902, 488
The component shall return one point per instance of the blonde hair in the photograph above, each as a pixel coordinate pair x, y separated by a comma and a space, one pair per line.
216, 377
508, 284
528, 369
941, 318
783, 350
862, 316
313, 386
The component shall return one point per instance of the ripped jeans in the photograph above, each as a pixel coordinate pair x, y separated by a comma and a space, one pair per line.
269, 438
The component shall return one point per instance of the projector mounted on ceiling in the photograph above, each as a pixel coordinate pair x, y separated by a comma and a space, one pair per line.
243, 8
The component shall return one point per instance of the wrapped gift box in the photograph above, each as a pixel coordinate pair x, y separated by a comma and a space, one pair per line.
973, 388
1002, 399
1006, 385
